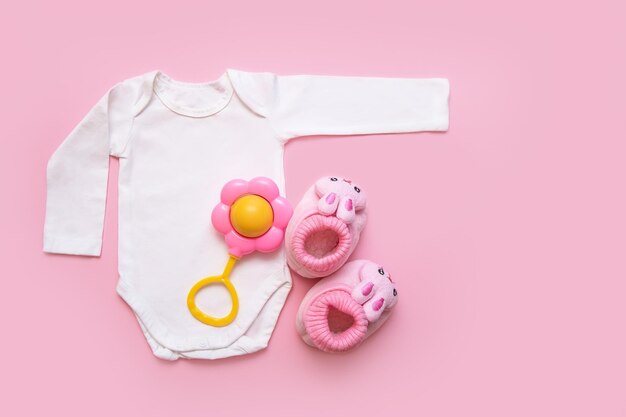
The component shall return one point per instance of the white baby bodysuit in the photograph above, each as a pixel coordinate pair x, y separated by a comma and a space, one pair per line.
178, 144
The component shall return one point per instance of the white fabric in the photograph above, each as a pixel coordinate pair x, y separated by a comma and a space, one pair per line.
178, 143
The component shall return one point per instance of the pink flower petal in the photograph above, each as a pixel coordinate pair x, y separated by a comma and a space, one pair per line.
282, 212
239, 245
270, 241
264, 187
220, 217
233, 190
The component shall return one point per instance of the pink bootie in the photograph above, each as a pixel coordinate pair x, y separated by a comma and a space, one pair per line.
325, 227
342, 310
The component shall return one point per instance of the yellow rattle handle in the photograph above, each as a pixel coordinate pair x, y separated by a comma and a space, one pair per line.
219, 279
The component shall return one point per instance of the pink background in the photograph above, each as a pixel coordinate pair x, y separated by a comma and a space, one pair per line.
507, 235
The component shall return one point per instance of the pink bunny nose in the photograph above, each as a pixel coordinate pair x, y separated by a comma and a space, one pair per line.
348, 181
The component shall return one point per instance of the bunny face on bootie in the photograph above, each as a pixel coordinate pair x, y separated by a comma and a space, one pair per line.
375, 291
340, 197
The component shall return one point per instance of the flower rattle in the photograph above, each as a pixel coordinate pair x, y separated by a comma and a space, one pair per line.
252, 216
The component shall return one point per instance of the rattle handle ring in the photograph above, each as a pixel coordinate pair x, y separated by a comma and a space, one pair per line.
218, 279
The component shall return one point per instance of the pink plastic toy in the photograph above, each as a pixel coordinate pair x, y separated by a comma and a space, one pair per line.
251, 216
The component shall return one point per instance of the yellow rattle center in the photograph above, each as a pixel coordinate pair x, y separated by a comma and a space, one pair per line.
251, 215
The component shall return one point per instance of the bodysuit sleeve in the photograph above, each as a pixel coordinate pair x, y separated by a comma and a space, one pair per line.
326, 105
77, 172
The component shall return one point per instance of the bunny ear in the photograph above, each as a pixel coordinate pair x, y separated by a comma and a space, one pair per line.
345, 210
328, 203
